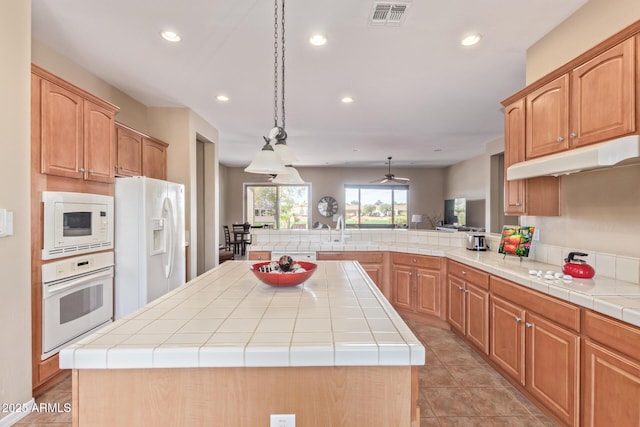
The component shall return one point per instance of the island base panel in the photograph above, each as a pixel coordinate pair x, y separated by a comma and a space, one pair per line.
319, 396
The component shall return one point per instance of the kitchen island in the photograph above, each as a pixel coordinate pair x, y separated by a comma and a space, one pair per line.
226, 349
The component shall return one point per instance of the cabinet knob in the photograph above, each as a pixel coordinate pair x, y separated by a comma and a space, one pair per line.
414, 260
90, 170
560, 139
464, 273
573, 135
518, 204
518, 320
466, 291
528, 325
81, 169
417, 274
410, 274
460, 289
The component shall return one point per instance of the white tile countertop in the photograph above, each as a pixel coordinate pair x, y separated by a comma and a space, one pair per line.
614, 297
228, 318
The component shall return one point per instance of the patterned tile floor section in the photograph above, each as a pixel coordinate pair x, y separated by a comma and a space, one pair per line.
457, 388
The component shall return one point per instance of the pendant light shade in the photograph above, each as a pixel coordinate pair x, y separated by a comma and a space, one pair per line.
266, 161
292, 177
285, 152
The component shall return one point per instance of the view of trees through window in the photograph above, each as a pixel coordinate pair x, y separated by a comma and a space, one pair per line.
277, 206
376, 206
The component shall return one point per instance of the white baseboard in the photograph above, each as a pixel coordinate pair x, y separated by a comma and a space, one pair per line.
14, 417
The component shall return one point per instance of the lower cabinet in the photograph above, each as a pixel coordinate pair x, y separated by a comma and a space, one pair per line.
416, 284
468, 303
259, 255
611, 372
371, 262
535, 348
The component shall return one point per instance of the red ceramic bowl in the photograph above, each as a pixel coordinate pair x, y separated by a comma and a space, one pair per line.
284, 279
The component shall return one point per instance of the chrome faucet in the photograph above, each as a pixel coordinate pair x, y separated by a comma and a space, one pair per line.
340, 226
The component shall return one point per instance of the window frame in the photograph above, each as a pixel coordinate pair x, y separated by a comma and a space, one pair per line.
247, 185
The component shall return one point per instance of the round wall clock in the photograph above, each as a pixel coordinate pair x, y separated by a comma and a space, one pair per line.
327, 206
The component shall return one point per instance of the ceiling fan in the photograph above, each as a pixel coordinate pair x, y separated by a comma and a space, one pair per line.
389, 177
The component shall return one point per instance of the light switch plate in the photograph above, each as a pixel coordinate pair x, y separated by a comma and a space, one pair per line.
283, 420
6, 223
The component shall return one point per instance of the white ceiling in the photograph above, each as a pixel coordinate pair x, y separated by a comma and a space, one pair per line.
419, 96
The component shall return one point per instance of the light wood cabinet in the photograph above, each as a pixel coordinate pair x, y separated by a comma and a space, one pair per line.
416, 284
534, 196
468, 303
372, 263
537, 351
139, 155
547, 123
76, 133
603, 96
154, 158
259, 256
129, 151
611, 375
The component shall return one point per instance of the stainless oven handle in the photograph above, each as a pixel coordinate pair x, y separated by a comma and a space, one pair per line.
54, 289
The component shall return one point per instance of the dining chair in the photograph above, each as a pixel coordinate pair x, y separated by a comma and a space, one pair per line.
237, 244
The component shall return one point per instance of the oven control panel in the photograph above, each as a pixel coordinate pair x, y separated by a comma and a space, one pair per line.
74, 266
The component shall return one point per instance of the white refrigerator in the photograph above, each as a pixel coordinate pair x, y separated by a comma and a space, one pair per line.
149, 241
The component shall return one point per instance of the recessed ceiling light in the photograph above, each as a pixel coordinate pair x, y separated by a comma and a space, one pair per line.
347, 100
318, 40
470, 39
170, 36
222, 98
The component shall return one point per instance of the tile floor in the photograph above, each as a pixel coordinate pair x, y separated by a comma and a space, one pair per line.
457, 388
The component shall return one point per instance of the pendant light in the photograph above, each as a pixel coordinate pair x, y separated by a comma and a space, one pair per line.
272, 159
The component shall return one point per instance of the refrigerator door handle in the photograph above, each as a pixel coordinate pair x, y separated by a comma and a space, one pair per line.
169, 229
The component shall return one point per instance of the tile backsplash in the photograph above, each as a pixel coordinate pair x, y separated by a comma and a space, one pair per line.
606, 265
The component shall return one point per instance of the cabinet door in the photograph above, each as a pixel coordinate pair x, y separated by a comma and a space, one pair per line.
375, 273
507, 337
602, 96
477, 317
611, 388
129, 152
553, 364
456, 311
62, 131
402, 287
427, 291
547, 121
514, 145
98, 143
154, 159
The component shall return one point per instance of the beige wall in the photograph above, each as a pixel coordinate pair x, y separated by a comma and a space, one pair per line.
599, 210
15, 264
425, 194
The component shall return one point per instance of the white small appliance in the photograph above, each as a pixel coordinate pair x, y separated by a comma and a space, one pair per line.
77, 299
150, 241
76, 223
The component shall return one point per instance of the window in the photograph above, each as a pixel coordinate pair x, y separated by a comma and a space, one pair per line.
376, 206
277, 206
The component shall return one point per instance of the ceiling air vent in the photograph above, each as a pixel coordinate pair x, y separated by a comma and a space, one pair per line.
391, 14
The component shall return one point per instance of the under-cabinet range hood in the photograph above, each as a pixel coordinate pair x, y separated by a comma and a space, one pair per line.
605, 154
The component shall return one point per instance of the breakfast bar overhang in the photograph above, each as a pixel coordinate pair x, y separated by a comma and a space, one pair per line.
226, 349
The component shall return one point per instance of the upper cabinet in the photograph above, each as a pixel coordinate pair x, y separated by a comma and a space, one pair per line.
592, 103
603, 96
139, 154
76, 130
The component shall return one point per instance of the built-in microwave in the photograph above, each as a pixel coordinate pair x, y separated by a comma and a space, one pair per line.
76, 223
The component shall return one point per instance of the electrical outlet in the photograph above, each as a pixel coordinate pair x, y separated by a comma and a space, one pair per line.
6, 223
283, 420
536, 234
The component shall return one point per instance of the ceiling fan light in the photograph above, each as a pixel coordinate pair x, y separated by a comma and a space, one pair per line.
267, 162
293, 177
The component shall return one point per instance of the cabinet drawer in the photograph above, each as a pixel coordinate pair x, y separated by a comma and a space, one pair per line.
416, 260
613, 333
362, 257
561, 312
259, 255
469, 274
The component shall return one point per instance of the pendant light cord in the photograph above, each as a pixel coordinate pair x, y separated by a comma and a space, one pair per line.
282, 32
275, 63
